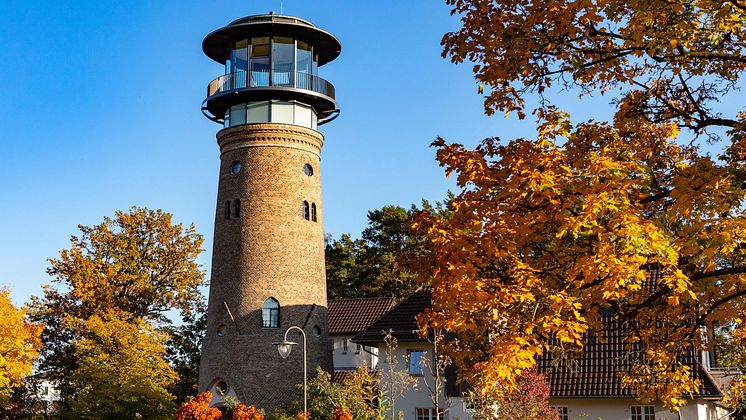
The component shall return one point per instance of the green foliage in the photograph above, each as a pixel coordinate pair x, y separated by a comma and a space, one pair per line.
137, 265
122, 372
375, 264
359, 394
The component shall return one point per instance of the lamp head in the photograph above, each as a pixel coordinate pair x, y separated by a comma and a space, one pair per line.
284, 348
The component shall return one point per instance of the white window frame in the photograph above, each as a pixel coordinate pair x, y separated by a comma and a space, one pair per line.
562, 411
427, 414
642, 412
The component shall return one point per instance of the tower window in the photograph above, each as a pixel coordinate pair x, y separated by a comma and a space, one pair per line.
308, 169
235, 167
271, 313
227, 210
313, 212
236, 208
306, 210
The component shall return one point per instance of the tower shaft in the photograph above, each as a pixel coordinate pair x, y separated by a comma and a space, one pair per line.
268, 247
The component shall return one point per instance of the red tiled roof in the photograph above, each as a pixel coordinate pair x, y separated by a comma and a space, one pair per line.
340, 376
351, 316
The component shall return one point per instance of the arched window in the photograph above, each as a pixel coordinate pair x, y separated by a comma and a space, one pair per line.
271, 313
306, 211
236, 208
313, 212
227, 210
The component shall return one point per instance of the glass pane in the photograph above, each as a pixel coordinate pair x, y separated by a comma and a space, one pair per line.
283, 61
227, 118
259, 61
240, 63
305, 66
282, 112
257, 112
238, 114
303, 115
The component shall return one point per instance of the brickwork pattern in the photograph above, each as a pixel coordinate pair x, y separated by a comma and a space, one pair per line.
270, 250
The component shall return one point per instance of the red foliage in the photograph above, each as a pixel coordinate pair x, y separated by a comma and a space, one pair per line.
242, 412
531, 397
198, 408
302, 416
342, 413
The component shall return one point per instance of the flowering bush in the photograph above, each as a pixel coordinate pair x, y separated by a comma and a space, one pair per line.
342, 413
198, 408
242, 412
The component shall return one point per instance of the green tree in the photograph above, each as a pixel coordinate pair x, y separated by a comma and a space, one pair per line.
122, 372
376, 264
138, 264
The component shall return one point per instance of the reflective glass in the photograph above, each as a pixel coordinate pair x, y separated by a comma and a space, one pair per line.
240, 63
257, 112
305, 66
283, 61
238, 114
259, 61
303, 115
282, 112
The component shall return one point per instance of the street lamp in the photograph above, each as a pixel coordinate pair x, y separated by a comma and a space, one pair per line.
284, 348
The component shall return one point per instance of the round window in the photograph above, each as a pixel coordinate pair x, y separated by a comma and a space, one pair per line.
235, 167
316, 331
308, 169
222, 330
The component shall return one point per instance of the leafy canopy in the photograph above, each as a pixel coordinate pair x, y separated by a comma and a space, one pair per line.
19, 346
136, 265
548, 232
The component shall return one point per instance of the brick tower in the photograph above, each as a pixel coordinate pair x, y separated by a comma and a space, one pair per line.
268, 252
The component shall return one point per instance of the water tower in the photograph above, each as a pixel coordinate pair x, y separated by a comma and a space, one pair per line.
268, 252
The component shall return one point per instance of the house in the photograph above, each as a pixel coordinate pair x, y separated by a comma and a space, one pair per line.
589, 389
348, 317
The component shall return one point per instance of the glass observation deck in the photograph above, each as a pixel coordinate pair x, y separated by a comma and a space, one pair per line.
271, 68
265, 78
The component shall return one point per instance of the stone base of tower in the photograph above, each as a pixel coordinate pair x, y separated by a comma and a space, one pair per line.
270, 248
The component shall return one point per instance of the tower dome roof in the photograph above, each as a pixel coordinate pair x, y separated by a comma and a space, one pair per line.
215, 45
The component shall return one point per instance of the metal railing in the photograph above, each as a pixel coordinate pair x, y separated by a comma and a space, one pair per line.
263, 78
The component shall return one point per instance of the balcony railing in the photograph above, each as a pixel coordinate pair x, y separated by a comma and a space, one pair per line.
261, 78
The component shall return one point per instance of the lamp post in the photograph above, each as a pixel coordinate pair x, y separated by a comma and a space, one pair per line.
284, 348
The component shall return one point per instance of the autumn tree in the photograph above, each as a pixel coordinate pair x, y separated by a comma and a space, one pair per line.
122, 372
137, 264
631, 215
19, 346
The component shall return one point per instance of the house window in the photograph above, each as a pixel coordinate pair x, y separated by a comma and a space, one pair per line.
561, 413
428, 414
271, 313
313, 212
416, 359
345, 343
642, 412
306, 210
358, 347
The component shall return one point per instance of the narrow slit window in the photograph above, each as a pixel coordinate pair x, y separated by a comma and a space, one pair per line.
313, 212
236, 208
227, 210
306, 210
271, 313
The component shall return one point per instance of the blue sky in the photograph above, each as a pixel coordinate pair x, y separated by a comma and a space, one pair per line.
100, 111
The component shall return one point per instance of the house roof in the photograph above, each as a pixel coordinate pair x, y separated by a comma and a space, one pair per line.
351, 316
401, 320
593, 374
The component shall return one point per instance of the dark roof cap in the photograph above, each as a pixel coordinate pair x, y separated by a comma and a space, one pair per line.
402, 320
